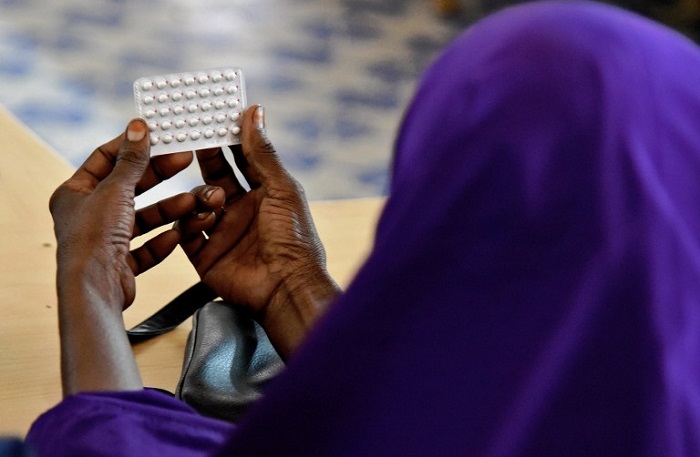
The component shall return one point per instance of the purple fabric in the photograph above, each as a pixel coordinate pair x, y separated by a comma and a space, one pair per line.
534, 289
119, 424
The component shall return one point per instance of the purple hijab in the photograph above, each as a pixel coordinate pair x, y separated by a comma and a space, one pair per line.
534, 289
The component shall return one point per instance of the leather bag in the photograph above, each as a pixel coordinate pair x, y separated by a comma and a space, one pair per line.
228, 359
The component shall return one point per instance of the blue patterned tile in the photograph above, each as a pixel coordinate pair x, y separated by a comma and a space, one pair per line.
302, 159
281, 83
385, 7
392, 71
316, 53
335, 75
360, 28
375, 178
48, 114
348, 128
308, 128
383, 99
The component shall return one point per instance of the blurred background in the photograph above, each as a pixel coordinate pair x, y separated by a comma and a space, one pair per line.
334, 75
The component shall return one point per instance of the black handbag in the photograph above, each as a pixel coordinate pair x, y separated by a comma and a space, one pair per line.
228, 358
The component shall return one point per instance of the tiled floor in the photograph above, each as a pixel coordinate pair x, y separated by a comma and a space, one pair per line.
334, 75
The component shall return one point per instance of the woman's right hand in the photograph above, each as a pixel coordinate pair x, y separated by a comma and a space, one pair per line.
262, 251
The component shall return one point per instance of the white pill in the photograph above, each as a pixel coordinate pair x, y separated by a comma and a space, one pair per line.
206, 120
234, 116
148, 99
232, 103
232, 89
208, 133
223, 131
154, 139
164, 111
190, 94
206, 106
152, 126
202, 78
162, 98
216, 76
177, 96
178, 109
166, 124
230, 75
218, 90
149, 113
161, 84
182, 136
188, 80
179, 123
193, 121
192, 108
147, 85
195, 135
220, 117
167, 138
235, 130
175, 83
219, 104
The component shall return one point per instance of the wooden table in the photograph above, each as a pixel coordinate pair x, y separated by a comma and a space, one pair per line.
29, 354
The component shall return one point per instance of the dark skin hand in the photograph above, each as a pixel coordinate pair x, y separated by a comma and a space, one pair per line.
263, 252
260, 250
94, 223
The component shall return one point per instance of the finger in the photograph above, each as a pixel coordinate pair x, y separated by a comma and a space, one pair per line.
262, 161
209, 204
198, 246
241, 162
133, 157
162, 168
209, 198
192, 246
98, 165
192, 226
164, 212
153, 252
217, 171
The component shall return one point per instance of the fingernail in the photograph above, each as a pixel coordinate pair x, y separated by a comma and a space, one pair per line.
136, 131
209, 193
259, 118
202, 216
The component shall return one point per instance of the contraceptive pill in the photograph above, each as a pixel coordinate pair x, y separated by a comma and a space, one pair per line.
193, 110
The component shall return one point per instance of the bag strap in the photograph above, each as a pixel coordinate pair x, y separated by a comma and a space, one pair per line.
172, 314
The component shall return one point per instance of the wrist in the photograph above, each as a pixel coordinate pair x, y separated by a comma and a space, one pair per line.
296, 306
95, 352
85, 283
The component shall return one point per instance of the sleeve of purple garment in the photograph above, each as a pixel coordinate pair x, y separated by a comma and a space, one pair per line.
534, 288
142, 423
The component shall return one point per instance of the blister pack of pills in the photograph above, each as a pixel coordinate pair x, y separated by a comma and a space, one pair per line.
194, 110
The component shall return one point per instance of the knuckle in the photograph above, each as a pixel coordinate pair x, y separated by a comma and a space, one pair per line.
288, 190
268, 147
55, 200
133, 156
262, 144
61, 196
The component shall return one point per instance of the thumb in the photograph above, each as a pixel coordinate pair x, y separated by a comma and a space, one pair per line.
133, 156
261, 163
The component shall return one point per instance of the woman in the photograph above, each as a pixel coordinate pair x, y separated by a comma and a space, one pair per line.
534, 288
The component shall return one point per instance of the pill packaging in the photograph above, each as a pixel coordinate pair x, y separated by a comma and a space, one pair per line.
190, 111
